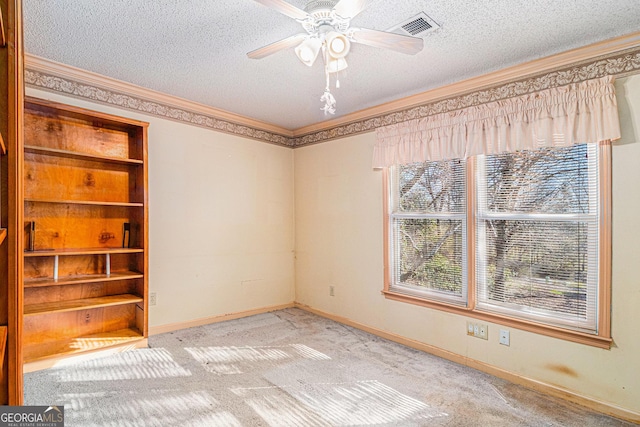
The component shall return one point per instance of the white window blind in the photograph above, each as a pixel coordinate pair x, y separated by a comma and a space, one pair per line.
428, 230
537, 235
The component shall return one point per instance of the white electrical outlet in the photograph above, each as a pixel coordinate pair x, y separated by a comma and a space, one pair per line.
478, 330
152, 298
483, 332
332, 291
469, 328
504, 337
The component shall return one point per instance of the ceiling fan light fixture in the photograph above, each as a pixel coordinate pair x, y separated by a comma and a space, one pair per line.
308, 50
327, 25
338, 44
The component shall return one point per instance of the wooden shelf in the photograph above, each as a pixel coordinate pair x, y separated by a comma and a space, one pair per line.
76, 155
3, 234
84, 278
3, 148
85, 251
3, 346
80, 304
3, 39
85, 202
67, 346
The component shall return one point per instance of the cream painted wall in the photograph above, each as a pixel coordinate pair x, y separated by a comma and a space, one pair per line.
339, 240
221, 234
222, 237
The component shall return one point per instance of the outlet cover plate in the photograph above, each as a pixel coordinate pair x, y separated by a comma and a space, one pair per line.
478, 330
505, 337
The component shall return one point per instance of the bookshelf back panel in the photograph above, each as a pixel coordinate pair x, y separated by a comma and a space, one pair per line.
52, 128
69, 266
73, 292
60, 226
53, 327
51, 177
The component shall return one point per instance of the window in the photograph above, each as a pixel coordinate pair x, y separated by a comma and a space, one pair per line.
537, 235
526, 247
429, 231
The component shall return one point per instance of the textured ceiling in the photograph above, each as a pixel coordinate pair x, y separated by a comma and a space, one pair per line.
196, 49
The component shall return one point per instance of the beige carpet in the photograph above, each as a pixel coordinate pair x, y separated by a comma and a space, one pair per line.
289, 368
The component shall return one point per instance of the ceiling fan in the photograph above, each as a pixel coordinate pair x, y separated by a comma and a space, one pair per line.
328, 31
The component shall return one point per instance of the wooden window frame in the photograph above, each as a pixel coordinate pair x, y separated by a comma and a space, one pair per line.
603, 337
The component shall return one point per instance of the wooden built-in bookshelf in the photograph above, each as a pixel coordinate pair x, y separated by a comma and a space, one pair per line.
85, 233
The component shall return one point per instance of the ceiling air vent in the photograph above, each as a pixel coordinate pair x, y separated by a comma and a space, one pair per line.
417, 26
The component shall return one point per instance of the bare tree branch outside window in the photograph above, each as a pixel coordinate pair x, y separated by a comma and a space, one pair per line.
430, 246
533, 263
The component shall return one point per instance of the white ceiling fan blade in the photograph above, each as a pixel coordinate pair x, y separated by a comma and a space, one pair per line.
349, 8
284, 8
385, 40
277, 46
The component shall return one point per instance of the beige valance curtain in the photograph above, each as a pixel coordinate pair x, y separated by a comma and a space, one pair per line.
583, 112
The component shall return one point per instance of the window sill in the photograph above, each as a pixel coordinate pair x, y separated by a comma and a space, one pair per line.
564, 334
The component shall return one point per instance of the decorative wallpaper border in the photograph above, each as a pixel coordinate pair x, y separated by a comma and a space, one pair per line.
618, 64
77, 89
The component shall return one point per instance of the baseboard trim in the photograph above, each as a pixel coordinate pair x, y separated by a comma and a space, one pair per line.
63, 360
170, 327
539, 386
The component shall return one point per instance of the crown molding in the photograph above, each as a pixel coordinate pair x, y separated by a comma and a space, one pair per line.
56, 77
617, 57
499, 77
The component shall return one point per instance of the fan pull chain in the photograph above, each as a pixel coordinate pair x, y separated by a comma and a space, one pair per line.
328, 98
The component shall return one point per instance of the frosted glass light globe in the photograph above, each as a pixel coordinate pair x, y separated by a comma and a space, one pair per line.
337, 45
